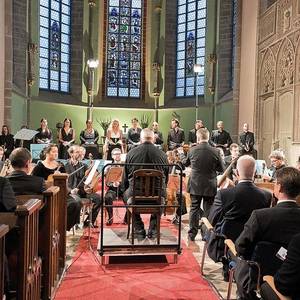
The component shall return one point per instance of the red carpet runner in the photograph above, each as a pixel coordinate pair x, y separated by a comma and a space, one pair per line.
86, 279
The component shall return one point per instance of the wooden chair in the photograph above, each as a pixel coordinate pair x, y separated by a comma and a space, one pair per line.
209, 228
270, 281
28, 270
146, 198
3, 232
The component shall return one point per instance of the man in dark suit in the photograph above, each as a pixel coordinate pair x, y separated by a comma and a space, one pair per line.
7, 197
205, 162
22, 183
193, 132
232, 159
175, 135
221, 138
144, 153
287, 278
247, 141
277, 224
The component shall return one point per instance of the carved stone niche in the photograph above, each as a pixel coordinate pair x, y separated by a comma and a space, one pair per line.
287, 19
267, 74
285, 65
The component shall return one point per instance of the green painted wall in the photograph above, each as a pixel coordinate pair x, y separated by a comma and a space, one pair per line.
18, 112
224, 111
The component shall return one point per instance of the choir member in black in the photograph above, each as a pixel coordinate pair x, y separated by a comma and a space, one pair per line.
193, 133
66, 137
50, 166
247, 141
23, 143
114, 190
89, 139
144, 153
158, 137
221, 138
44, 135
277, 162
175, 136
89, 136
134, 134
7, 141
76, 182
113, 138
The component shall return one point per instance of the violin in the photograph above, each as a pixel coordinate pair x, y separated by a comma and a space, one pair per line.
223, 181
6, 169
50, 179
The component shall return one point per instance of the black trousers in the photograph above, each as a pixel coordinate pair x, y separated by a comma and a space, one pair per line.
73, 212
196, 212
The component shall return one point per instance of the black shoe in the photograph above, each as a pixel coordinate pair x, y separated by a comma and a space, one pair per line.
152, 233
140, 233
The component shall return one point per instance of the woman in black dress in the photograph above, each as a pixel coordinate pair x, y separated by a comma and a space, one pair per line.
44, 135
7, 141
134, 134
66, 138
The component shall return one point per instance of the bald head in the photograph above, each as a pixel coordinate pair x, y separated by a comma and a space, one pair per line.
147, 135
246, 167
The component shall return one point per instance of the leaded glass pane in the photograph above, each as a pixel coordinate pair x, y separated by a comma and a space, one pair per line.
191, 18
55, 44
124, 48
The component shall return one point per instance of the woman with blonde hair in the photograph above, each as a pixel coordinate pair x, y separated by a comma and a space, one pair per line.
113, 138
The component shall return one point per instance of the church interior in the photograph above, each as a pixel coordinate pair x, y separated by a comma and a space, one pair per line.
87, 87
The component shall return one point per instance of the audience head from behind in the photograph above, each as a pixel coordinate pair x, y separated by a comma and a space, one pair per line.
202, 135
277, 158
287, 184
51, 152
245, 168
147, 136
234, 150
20, 160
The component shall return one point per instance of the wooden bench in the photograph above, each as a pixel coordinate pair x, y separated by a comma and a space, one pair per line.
3, 231
25, 222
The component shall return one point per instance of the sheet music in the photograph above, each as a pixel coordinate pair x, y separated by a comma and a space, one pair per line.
25, 134
92, 172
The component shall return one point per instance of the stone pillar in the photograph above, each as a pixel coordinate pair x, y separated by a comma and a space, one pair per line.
2, 59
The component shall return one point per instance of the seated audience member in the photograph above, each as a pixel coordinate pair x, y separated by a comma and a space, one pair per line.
175, 135
144, 153
221, 138
23, 183
232, 207
193, 132
7, 198
158, 137
79, 190
114, 190
234, 154
44, 135
277, 224
287, 278
134, 134
113, 138
7, 141
66, 138
277, 162
89, 136
246, 141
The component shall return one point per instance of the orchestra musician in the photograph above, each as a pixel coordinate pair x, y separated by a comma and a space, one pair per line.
134, 134
192, 133
89, 139
175, 135
113, 138
277, 162
7, 141
158, 137
44, 135
78, 190
234, 154
247, 141
66, 137
221, 138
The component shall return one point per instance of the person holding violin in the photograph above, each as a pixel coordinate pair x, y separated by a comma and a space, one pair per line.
232, 159
78, 171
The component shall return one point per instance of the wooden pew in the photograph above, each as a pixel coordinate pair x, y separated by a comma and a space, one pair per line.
3, 231
25, 221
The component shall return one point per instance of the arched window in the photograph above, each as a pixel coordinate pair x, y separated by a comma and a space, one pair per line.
55, 39
191, 27
124, 48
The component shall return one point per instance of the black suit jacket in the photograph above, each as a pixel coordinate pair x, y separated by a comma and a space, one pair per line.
193, 136
145, 153
276, 225
24, 184
247, 138
236, 204
287, 278
205, 162
220, 138
7, 198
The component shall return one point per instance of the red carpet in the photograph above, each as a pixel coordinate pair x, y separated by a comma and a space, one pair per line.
86, 279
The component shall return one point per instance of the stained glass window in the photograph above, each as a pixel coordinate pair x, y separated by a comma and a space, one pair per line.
191, 27
55, 20
124, 48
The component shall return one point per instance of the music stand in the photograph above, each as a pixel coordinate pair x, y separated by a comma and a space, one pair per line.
25, 134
